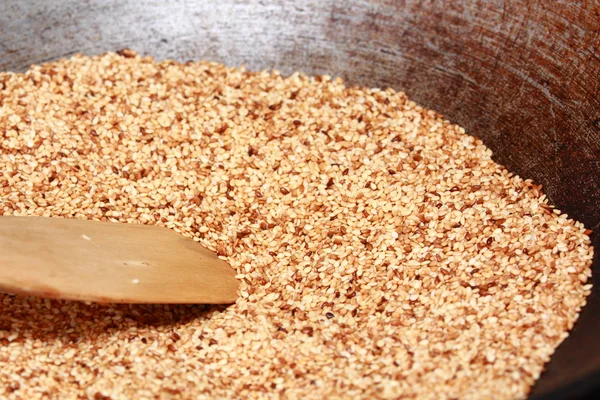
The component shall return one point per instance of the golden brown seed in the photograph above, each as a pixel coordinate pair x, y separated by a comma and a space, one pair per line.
381, 252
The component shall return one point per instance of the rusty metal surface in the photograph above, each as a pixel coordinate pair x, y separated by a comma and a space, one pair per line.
524, 76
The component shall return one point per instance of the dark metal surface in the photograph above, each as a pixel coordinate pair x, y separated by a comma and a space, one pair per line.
524, 76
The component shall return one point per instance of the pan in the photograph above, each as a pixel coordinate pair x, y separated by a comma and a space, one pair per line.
523, 76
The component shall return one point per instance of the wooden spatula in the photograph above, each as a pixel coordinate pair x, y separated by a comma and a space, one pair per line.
109, 263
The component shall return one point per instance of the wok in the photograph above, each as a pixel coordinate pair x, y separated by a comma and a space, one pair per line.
523, 76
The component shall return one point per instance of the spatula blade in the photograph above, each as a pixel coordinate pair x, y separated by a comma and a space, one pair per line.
110, 263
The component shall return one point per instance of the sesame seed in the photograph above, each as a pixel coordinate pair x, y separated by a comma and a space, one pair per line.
433, 265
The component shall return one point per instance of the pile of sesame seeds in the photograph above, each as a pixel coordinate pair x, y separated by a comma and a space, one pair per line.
381, 252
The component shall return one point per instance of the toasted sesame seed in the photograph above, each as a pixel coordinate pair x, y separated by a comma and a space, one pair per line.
381, 252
